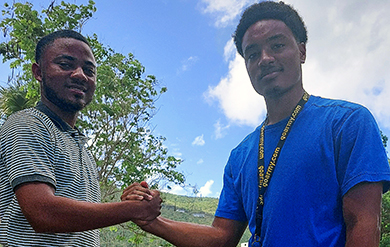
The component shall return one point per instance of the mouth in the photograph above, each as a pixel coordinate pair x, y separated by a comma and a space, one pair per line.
269, 73
77, 89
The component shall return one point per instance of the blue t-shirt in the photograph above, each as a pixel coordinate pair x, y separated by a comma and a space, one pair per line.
333, 145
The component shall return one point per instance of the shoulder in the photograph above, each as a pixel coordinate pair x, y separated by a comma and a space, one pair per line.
248, 141
334, 104
335, 110
27, 117
26, 123
245, 149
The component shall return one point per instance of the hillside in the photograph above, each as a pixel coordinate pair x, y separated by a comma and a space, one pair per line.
198, 210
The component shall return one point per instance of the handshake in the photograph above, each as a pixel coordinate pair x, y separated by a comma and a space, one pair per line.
148, 201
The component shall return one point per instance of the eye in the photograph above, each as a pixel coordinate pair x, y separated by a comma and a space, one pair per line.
252, 56
277, 46
64, 65
89, 71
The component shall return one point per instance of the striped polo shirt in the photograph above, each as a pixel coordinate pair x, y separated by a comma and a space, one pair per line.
37, 146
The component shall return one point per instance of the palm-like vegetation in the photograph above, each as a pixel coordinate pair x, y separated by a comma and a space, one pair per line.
12, 99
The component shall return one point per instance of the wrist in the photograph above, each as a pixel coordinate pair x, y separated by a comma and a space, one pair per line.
152, 226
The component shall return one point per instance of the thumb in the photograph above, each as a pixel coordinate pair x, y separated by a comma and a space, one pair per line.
144, 184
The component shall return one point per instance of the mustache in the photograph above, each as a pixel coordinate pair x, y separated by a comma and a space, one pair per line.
268, 70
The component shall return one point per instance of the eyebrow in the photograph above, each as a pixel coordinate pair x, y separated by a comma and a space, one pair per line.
272, 38
249, 47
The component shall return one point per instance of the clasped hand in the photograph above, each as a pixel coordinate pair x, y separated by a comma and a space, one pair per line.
151, 199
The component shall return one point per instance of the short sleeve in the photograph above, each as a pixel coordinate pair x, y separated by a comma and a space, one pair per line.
360, 153
230, 204
26, 148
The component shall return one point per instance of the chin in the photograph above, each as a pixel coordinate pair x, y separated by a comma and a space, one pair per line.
274, 92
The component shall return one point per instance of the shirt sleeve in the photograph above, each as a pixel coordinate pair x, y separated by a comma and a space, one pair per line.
230, 204
360, 154
26, 148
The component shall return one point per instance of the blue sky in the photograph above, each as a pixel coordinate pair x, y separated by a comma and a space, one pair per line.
210, 105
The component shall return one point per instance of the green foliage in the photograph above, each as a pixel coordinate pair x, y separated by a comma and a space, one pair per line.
118, 123
12, 99
23, 26
384, 139
385, 226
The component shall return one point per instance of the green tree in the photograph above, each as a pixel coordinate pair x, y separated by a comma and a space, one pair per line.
22, 27
385, 226
384, 139
117, 121
13, 98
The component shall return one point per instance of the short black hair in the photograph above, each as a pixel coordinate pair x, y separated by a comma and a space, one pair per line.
274, 11
50, 38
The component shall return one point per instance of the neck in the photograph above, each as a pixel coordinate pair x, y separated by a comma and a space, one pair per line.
281, 106
69, 117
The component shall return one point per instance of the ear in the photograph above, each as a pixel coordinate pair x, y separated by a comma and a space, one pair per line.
302, 52
37, 71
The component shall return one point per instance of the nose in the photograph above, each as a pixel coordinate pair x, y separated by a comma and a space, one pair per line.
266, 58
79, 74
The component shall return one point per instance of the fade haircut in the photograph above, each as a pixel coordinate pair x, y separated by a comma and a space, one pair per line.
50, 38
270, 10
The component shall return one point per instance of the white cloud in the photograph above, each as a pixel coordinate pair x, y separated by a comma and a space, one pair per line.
199, 141
220, 129
176, 152
176, 190
348, 57
205, 190
235, 94
225, 11
188, 63
201, 161
229, 50
348, 52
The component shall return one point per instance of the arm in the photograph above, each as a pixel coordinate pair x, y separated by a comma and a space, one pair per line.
222, 233
362, 214
49, 213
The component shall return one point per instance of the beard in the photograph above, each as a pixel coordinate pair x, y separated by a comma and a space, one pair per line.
62, 103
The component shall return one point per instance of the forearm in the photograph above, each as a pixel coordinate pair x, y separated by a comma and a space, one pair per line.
67, 215
49, 213
362, 215
363, 233
183, 234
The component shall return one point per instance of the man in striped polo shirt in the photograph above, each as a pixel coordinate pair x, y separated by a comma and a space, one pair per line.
49, 189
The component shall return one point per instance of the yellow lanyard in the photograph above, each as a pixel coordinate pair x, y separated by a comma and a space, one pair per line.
265, 177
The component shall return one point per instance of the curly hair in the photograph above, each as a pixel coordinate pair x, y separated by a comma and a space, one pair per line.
270, 10
50, 38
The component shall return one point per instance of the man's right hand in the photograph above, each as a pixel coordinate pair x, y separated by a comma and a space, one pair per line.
151, 201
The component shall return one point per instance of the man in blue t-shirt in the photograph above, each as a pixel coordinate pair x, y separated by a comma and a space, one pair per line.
312, 174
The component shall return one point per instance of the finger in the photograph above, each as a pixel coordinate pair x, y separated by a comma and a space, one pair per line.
131, 186
144, 194
144, 184
136, 189
133, 198
139, 194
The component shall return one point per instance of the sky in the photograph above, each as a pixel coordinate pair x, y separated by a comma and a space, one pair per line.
210, 105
